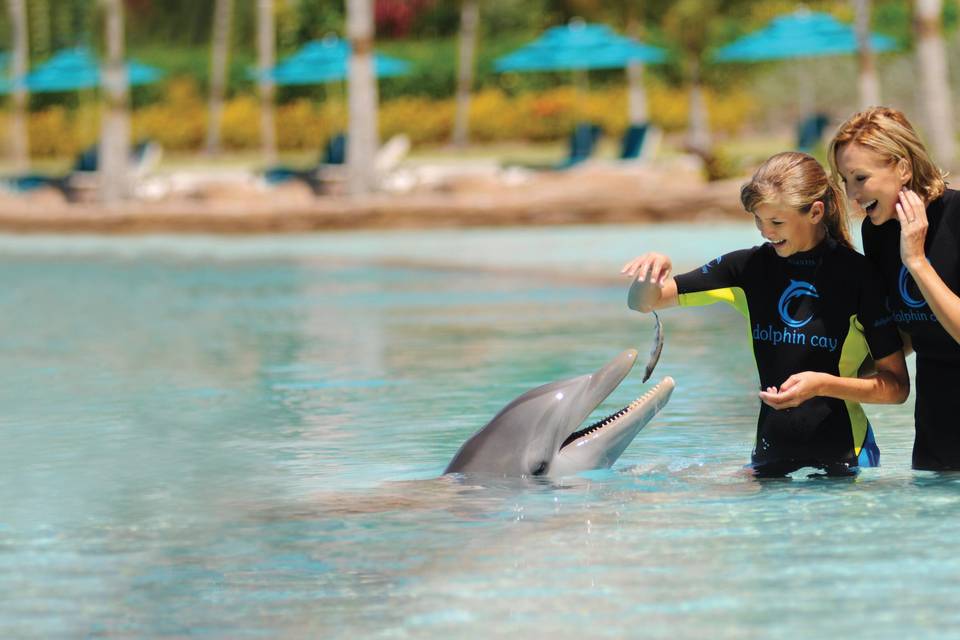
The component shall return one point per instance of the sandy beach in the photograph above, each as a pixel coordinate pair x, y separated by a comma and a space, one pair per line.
594, 193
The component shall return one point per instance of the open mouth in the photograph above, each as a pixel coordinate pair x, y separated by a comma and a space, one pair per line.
869, 207
613, 418
778, 243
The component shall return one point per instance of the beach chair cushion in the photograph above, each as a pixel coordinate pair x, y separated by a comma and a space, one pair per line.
583, 141
335, 151
633, 139
810, 131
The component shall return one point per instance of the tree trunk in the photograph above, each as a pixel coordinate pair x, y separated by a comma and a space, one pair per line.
39, 24
114, 148
699, 122
636, 93
362, 133
469, 17
934, 81
19, 144
867, 78
956, 31
219, 57
266, 49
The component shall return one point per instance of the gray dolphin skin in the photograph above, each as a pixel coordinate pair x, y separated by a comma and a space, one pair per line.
541, 432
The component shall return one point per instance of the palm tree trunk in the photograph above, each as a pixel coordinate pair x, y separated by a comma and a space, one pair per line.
956, 31
19, 144
636, 93
266, 49
362, 103
115, 130
867, 79
219, 56
934, 81
469, 17
699, 122
39, 21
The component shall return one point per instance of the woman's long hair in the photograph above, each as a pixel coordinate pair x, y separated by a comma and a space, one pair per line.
888, 132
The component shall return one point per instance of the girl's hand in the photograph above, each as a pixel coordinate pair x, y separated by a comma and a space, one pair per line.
650, 267
795, 390
912, 215
652, 288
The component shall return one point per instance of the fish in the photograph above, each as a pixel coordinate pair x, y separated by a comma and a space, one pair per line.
655, 350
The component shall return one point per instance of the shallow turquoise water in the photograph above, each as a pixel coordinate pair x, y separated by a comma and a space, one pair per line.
242, 438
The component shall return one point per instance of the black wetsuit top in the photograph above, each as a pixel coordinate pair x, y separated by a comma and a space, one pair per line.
818, 310
937, 409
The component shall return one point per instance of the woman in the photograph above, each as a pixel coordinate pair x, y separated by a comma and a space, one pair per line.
815, 308
912, 233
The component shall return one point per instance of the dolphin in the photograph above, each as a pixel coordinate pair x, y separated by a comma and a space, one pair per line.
540, 433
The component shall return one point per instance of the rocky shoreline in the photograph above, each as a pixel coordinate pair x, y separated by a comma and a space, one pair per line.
589, 195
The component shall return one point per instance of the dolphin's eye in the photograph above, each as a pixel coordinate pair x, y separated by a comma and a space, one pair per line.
540, 470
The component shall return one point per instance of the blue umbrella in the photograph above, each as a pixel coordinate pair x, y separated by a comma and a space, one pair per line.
578, 46
78, 68
802, 34
798, 35
321, 61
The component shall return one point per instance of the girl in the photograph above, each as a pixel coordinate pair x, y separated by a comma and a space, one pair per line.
815, 311
912, 233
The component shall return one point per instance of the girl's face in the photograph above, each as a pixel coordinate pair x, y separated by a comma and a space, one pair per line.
872, 182
789, 230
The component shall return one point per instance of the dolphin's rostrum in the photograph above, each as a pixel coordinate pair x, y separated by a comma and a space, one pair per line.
540, 433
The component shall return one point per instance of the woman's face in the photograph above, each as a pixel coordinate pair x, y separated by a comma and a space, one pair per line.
788, 230
872, 181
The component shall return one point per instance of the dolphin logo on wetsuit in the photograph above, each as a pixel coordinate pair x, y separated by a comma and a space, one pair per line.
706, 268
796, 289
908, 300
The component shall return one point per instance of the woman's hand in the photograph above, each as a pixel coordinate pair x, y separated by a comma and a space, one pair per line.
794, 391
912, 214
652, 288
943, 301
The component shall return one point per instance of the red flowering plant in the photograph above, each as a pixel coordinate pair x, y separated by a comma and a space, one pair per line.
395, 18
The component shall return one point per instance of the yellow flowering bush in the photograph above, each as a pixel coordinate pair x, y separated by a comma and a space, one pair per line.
423, 120
178, 121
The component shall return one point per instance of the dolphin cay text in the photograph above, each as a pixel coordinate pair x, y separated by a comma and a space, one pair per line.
911, 315
793, 336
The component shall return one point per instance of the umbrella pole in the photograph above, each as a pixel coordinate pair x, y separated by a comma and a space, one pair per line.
582, 84
807, 99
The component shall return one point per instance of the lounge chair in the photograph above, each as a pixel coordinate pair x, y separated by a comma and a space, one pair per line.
583, 142
580, 144
334, 153
332, 168
83, 175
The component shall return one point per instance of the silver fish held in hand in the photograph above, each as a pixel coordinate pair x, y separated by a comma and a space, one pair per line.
655, 349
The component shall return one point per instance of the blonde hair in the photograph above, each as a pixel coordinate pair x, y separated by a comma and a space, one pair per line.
797, 180
888, 132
